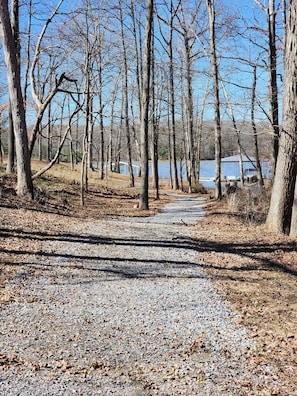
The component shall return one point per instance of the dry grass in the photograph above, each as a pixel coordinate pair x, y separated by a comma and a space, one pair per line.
256, 272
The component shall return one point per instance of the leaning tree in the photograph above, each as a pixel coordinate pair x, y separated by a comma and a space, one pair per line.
24, 178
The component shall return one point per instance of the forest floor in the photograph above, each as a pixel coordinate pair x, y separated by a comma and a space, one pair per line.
253, 269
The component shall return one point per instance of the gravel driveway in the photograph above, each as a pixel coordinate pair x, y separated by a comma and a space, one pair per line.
122, 307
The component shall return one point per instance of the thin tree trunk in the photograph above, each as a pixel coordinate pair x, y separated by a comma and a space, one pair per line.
111, 158
100, 99
273, 89
143, 196
255, 135
61, 144
237, 134
190, 125
215, 76
126, 100
154, 134
172, 103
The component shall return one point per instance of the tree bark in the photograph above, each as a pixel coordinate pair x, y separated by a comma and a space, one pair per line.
126, 100
254, 126
189, 106
10, 167
173, 155
24, 178
11, 144
273, 89
215, 77
280, 216
143, 196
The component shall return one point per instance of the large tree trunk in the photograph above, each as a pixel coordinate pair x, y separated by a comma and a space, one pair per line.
24, 182
143, 196
293, 229
282, 198
10, 167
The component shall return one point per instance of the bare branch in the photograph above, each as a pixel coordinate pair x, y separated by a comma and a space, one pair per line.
37, 54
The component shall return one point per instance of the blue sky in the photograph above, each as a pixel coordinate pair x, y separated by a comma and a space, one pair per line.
242, 76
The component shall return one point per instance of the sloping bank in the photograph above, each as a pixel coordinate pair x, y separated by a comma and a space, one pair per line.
122, 307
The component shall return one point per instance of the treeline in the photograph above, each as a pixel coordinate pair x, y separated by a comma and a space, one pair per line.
137, 80
72, 149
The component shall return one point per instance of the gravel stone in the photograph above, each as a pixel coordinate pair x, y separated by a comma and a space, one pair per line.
123, 307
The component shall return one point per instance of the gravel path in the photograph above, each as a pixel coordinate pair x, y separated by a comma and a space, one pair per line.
122, 307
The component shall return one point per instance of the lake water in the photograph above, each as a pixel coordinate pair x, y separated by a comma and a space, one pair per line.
207, 170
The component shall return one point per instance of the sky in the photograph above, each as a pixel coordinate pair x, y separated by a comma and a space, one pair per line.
240, 77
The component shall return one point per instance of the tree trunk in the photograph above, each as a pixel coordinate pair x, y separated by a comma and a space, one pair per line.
11, 144
273, 90
293, 229
154, 132
143, 196
282, 197
173, 155
254, 126
215, 76
126, 101
237, 132
24, 182
189, 107
101, 123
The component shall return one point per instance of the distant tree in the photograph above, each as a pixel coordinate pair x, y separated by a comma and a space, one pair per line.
24, 178
282, 213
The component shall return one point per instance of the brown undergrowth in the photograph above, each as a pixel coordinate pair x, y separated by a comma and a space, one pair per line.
256, 271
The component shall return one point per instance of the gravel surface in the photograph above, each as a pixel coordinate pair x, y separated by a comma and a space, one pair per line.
122, 307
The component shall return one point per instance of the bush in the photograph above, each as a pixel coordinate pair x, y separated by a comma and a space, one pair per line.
251, 202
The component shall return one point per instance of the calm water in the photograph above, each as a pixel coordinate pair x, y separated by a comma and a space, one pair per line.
207, 170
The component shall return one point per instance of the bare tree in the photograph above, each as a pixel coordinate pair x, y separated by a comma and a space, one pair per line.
187, 29
254, 126
16, 34
280, 218
42, 103
215, 77
169, 42
126, 97
272, 72
24, 178
143, 196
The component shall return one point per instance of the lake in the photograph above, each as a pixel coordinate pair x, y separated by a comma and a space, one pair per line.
207, 170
